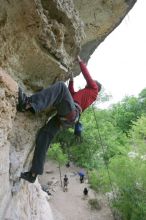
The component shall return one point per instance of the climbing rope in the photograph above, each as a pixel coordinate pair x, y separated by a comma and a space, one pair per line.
105, 162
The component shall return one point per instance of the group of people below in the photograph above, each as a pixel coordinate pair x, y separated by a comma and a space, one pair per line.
66, 182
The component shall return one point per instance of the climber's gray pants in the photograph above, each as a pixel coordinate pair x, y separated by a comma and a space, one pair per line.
56, 95
43, 140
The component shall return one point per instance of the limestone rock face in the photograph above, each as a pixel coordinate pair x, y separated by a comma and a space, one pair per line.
39, 41
18, 200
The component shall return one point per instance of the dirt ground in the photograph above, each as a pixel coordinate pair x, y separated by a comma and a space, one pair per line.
72, 205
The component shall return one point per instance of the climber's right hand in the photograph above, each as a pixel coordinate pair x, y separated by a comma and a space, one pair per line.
71, 76
78, 58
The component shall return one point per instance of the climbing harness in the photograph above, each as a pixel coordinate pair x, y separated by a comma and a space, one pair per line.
66, 122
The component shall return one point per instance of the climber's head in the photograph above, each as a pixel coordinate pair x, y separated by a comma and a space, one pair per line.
99, 85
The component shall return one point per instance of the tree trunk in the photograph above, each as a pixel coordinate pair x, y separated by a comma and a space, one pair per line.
60, 174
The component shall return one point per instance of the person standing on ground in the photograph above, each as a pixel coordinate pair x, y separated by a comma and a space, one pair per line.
85, 191
65, 183
82, 175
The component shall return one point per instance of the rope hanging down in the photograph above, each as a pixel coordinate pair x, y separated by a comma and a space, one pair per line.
106, 165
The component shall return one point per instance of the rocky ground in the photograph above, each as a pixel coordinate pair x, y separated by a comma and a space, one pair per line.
72, 205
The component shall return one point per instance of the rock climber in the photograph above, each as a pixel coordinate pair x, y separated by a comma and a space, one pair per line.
69, 105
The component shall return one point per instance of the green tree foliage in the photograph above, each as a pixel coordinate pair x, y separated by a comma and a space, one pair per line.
80, 152
56, 153
138, 136
99, 180
142, 95
128, 175
125, 112
110, 139
142, 100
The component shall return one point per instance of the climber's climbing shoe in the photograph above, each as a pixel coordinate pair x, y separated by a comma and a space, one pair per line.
28, 177
22, 101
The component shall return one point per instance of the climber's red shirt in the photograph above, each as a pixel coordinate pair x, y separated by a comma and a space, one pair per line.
84, 97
